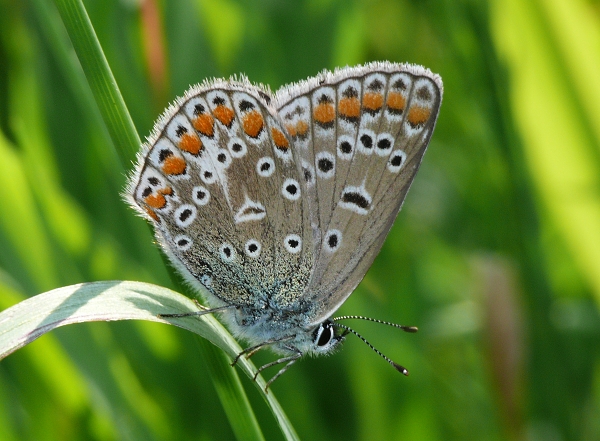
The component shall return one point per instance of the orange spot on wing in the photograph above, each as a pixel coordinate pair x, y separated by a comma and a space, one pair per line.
298, 130
156, 201
396, 101
279, 138
152, 214
349, 107
291, 129
301, 128
205, 124
190, 143
174, 165
372, 101
418, 115
224, 114
324, 113
253, 123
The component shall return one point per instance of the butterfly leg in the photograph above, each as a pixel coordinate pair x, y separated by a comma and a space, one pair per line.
289, 360
203, 310
249, 352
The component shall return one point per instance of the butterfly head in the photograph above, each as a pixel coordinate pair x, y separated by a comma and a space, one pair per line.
327, 338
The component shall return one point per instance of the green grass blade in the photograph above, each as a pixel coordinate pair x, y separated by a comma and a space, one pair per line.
231, 393
100, 78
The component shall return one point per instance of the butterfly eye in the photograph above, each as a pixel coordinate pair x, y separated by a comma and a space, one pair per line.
324, 334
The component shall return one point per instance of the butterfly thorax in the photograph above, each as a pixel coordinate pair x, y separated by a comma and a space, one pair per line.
289, 329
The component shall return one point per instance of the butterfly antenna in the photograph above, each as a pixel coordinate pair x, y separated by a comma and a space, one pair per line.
411, 329
395, 365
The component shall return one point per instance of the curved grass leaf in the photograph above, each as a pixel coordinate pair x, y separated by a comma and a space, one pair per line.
116, 300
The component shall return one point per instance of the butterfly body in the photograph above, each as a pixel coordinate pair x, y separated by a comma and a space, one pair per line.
275, 206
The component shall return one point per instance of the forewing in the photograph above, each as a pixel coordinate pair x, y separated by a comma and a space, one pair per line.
220, 184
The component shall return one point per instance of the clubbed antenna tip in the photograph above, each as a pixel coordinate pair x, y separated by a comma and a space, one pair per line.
400, 369
395, 365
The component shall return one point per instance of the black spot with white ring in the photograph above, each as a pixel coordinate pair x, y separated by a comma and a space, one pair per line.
355, 199
333, 240
253, 248
208, 176
291, 189
183, 242
185, 215
265, 166
396, 161
366, 141
200, 195
345, 147
384, 144
227, 252
293, 243
237, 147
223, 158
325, 162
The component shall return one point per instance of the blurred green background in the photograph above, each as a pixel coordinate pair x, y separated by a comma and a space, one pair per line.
495, 256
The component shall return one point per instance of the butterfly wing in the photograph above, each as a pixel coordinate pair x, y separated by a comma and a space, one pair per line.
284, 207
361, 134
219, 182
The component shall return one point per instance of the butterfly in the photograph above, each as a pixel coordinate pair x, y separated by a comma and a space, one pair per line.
274, 206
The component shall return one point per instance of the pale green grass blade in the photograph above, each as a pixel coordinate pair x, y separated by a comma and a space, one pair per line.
116, 300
